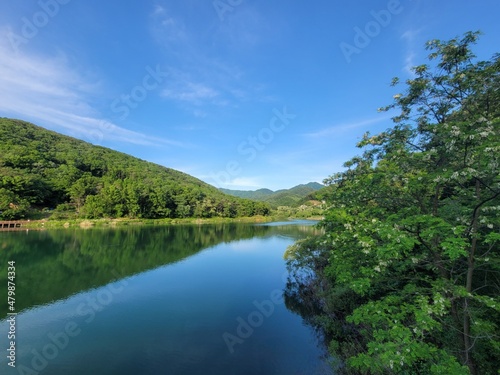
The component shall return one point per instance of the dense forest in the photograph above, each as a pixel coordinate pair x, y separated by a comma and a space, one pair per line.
406, 278
44, 170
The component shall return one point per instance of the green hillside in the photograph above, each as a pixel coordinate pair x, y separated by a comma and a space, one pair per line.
257, 195
44, 170
285, 197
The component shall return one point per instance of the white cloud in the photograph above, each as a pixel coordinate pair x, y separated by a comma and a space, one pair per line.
201, 80
46, 90
411, 39
409, 62
242, 246
167, 28
245, 183
236, 183
190, 92
193, 92
411, 34
346, 127
158, 10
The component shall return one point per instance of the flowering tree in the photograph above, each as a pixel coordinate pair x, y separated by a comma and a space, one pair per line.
411, 238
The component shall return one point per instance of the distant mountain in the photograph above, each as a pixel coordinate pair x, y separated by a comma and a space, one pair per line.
44, 170
260, 194
284, 197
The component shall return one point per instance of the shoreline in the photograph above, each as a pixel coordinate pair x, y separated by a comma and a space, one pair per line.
115, 222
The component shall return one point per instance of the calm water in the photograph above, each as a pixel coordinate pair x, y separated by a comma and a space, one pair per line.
155, 300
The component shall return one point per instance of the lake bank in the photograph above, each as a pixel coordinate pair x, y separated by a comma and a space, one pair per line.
110, 222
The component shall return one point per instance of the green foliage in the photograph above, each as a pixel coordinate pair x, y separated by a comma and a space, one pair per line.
40, 168
411, 238
259, 194
12, 206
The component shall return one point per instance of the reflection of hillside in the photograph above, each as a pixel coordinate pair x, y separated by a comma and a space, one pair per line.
294, 231
55, 264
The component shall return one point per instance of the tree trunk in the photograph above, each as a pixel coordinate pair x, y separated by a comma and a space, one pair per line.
470, 273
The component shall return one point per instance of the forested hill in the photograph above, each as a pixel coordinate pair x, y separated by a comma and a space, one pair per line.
41, 169
284, 197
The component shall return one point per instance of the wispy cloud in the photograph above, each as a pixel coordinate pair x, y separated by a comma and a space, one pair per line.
244, 28
168, 28
235, 183
346, 127
46, 89
411, 34
410, 62
410, 37
245, 183
191, 92
204, 82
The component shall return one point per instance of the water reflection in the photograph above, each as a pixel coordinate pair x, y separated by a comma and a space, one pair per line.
158, 300
55, 264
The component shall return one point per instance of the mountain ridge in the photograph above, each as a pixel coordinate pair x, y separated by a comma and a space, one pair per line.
293, 196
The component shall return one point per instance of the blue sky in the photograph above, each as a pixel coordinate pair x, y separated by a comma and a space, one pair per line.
242, 94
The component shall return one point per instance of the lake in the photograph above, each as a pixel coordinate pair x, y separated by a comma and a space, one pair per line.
186, 299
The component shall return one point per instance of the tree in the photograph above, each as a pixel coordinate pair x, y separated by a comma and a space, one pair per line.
411, 237
11, 206
81, 188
